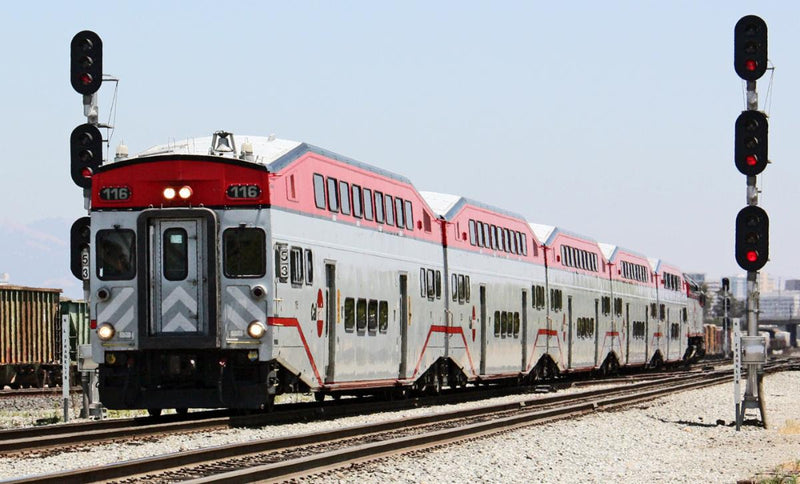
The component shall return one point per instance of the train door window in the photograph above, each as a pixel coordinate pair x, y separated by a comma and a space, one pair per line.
372, 316
661, 312
605, 304
438, 284
333, 195
383, 316
349, 314
675, 331
461, 294
244, 251
472, 236
389, 210
296, 265
176, 257
361, 315
497, 323
409, 215
454, 286
653, 310
368, 204
319, 191
466, 288
516, 325
116, 254
398, 205
309, 267
684, 315
344, 191
358, 212
618, 306
422, 291
379, 207
430, 284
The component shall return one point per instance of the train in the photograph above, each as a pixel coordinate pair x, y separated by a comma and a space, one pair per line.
30, 335
221, 276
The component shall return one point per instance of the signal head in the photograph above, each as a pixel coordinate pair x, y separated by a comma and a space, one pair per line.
752, 238
750, 47
750, 146
86, 62
86, 153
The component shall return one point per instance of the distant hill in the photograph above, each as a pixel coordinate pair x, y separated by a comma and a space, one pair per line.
37, 255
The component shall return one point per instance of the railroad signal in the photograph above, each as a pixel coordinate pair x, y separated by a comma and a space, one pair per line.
750, 145
86, 62
750, 47
86, 153
79, 237
752, 238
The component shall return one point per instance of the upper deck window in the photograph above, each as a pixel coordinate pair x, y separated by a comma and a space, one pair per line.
344, 191
357, 211
368, 204
389, 210
409, 215
116, 254
244, 252
379, 207
319, 191
398, 204
333, 195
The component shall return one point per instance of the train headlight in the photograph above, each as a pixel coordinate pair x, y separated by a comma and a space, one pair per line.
105, 331
258, 291
256, 330
185, 192
169, 193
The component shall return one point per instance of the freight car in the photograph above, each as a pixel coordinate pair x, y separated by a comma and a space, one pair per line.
30, 335
221, 277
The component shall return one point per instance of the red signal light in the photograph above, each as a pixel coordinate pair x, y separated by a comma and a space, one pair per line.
750, 65
86, 172
751, 160
752, 256
86, 78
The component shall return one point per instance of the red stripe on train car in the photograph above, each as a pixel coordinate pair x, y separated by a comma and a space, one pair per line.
293, 322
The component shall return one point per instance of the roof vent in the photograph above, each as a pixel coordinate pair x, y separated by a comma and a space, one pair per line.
247, 152
122, 152
222, 143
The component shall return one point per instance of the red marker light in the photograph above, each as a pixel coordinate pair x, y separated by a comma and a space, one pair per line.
750, 65
752, 256
751, 160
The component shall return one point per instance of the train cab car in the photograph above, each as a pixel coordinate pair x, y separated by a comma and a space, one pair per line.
695, 301
494, 267
221, 277
671, 338
632, 292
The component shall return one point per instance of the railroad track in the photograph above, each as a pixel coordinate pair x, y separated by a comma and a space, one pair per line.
34, 392
284, 458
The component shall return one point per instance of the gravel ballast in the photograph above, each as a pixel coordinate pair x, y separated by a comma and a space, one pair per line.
675, 439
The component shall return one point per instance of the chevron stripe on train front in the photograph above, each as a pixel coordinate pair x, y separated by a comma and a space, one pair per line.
179, 312
240, 309
118, 309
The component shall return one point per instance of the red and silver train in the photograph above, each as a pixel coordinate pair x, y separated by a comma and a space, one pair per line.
221, 277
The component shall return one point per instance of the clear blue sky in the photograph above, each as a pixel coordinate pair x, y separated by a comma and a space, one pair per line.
611, 119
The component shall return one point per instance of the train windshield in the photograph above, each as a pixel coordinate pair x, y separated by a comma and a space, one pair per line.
244, 252
116, 254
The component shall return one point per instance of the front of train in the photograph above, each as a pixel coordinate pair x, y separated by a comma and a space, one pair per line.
178, 276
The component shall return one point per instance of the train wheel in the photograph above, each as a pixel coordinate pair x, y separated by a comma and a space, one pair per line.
319, 396
154, 412
180, 411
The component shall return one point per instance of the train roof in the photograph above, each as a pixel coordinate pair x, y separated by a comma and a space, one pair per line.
448, 206
611, 251
273, 153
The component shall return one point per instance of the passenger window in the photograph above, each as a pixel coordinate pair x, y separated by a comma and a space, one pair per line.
516, 325
461, 295
372, 316
409, 215
361, 315
116, 254
244, 251
504, 324
368, 204
309, 267
472, 237
344, 191
454, 287
430, 284
296, 265
319, 191
389, 210
466, 287
383, 316
497, 323
357, 211
379, 207
422, 291
349, 314
175, 254
333, 195
438, 284
398, 205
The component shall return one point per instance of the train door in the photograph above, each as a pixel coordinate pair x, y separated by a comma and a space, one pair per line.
178, 278
483, 329
597, 332
570, 340
524, 327
403, 325
330, 319
627, 333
